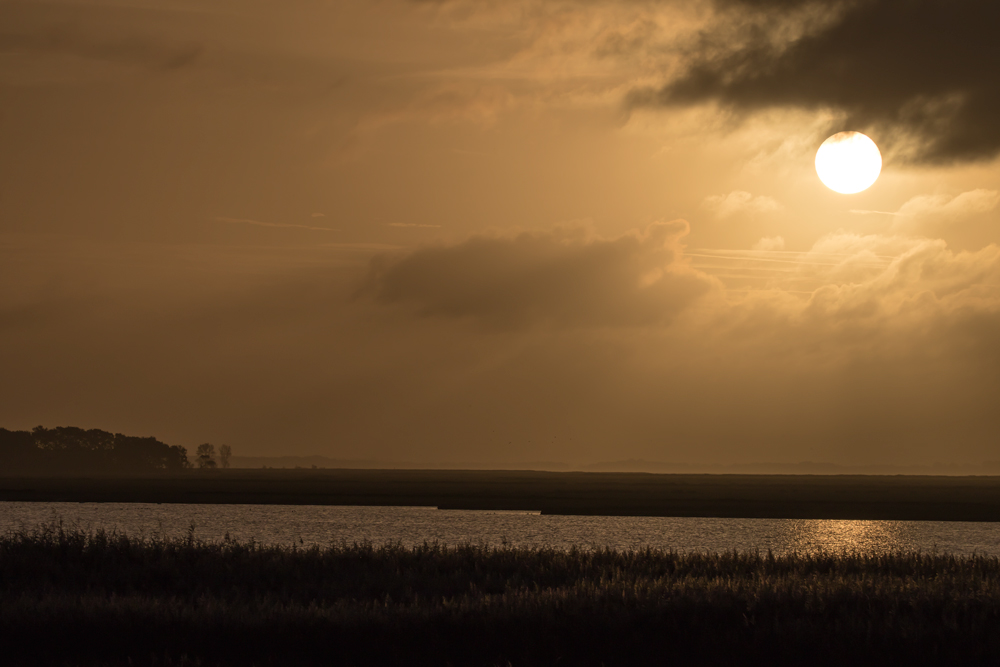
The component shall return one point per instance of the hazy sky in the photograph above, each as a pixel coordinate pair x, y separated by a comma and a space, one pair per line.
502, 231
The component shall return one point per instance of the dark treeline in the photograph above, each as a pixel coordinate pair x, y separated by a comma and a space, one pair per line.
111, 599
68, 449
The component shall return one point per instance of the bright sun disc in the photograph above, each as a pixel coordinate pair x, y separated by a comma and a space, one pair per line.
848, 162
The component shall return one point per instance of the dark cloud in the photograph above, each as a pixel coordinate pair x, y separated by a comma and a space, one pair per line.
563, 278
926, 68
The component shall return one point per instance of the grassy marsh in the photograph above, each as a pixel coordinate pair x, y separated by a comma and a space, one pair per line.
76, 598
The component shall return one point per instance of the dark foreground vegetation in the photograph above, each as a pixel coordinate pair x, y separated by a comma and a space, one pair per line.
71, 598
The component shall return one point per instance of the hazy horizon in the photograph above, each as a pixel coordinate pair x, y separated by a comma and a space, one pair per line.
482, 233
988, 468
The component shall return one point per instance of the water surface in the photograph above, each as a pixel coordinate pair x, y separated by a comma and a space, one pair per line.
308, 525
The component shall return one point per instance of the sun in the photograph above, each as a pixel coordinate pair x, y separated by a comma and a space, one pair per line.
848, 162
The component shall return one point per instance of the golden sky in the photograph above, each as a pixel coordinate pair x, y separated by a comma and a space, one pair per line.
503, 231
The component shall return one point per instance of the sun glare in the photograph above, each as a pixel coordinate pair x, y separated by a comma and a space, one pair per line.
848, 162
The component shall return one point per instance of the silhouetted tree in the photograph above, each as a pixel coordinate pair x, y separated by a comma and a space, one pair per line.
225, 451
68, 448
18, 451
206, 456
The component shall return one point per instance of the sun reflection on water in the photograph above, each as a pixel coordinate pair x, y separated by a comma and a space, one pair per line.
843, 535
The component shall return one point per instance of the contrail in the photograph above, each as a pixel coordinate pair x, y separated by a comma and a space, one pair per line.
247, 221
861, 211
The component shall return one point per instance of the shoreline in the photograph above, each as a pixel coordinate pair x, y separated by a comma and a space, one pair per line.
846, 497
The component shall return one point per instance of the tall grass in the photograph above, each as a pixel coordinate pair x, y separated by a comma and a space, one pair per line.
70, 597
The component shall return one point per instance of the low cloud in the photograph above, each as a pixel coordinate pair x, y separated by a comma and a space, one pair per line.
739, 201
945, 208
564, 277
923, 210
770, 243
884, 280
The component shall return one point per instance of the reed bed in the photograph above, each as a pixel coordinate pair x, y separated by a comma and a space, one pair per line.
71, 597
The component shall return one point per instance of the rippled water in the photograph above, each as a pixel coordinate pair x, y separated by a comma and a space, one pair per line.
323, 525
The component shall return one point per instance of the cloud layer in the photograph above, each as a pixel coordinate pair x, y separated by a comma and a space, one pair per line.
865, 348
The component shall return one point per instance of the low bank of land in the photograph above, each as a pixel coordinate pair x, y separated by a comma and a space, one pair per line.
71, 598
610, 494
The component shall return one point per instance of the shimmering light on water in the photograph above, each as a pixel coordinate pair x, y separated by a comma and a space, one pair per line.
322, 525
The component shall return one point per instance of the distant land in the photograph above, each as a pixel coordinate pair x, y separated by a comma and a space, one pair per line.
867, 497
73, 450
627, 465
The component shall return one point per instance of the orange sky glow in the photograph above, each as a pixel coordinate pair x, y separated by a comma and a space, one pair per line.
467, 231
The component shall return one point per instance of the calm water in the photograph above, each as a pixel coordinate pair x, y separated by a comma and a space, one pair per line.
323, 525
